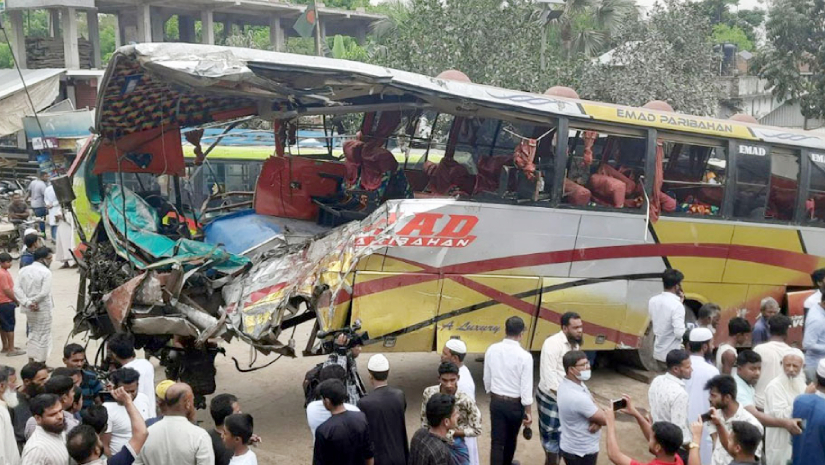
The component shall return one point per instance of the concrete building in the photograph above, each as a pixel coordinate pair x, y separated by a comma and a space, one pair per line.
139, 21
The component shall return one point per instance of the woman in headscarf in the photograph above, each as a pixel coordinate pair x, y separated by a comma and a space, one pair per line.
779, 397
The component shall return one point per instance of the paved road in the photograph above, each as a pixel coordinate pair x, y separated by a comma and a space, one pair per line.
275, 399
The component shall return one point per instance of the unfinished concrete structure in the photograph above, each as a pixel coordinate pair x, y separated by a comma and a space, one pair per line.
138, 21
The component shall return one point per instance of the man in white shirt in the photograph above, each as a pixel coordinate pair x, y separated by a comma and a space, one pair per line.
122, 351
175, 440
317, 414
37, 189
667, 394
551, 373
748, 372
33, 290
667, 315
119, 425
779, 397
508, 378
701, 346
817, 277
454, 351
723, 400
581, 419
772, 353
47, 445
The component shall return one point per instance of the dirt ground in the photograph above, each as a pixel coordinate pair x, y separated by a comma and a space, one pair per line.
273, 395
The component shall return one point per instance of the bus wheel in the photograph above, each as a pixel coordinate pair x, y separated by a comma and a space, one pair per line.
644, 356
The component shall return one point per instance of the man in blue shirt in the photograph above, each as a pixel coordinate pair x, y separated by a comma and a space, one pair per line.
813, 342
809, 447
74, 356
768, 308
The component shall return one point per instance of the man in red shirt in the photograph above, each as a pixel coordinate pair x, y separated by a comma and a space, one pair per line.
664, 439
8, 304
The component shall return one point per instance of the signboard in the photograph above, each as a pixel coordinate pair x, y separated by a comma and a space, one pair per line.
39, 143
752, 150
818, 158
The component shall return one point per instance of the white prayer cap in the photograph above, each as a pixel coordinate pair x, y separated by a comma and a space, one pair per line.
796, 353
378, 363
457, 345
700, 335
820, 370
30, 231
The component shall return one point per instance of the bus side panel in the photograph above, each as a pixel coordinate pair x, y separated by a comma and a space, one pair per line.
728, 296
637, 317
776, 245
613, 246
710, 240
814, 242
601, 306
384, 307
475, 307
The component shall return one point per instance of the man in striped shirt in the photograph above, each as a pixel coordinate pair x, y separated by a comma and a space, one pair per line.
47, 445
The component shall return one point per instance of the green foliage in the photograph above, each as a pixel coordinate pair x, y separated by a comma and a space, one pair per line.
589, 27
343, 4
346, 48
300, 45
492, 42
795, 34
5, 56
669, 57
107, 37
719, 12
724, 34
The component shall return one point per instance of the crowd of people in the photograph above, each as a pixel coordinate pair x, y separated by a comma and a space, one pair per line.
73, 414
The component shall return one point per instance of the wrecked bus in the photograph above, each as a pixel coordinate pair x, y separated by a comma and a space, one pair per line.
434, 208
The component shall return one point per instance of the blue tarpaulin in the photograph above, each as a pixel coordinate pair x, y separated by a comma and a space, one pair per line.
242, 230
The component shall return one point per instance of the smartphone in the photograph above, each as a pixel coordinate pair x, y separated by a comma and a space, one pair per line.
106, 396
706, 417
802, 423
619, 404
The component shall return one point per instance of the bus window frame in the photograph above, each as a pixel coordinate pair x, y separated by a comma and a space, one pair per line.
806, 170
620, 130
733, 162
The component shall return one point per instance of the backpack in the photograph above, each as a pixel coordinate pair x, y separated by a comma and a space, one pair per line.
312, 379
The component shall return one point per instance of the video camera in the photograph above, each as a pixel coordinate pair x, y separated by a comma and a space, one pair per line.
354, 338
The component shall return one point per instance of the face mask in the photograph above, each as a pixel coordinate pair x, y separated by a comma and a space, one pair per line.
584, 375
10, 397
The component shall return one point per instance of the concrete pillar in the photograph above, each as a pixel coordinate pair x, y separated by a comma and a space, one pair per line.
54, 22
144, 23
321, 35
158, 20
94, 37
18, 37
71, 52
118, 31
207, 28
186, 27
276, 34
361, 34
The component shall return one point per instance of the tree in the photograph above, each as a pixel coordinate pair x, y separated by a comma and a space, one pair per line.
668, 57
586, 27
793, 62
493, 42
719, 12
724, 34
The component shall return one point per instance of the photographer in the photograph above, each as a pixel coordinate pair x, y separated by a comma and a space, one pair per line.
345, 350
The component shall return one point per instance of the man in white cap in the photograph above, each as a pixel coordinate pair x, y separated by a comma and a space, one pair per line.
700, 345
454, 351
385, 409
779, 397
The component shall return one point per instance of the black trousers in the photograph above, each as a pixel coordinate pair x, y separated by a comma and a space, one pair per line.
570, 459
505, 421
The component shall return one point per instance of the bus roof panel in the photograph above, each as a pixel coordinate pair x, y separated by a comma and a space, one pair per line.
155, 84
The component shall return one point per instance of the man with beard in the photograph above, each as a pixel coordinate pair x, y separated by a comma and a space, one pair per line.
723, 400
748, 371
63, 387
35, 375
668, 397
47, 445
779, 397
469, 416
551, 373
772, 352
701, 346
9, 454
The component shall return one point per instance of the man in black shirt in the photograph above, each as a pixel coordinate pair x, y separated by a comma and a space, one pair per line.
430, 446
344, 439
221, 407
384, 408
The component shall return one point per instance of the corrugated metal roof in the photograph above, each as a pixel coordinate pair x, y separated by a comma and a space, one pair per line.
10, 80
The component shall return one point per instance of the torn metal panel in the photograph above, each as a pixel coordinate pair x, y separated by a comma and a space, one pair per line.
119, 302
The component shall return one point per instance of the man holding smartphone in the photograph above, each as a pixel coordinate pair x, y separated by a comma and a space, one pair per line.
664, 438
